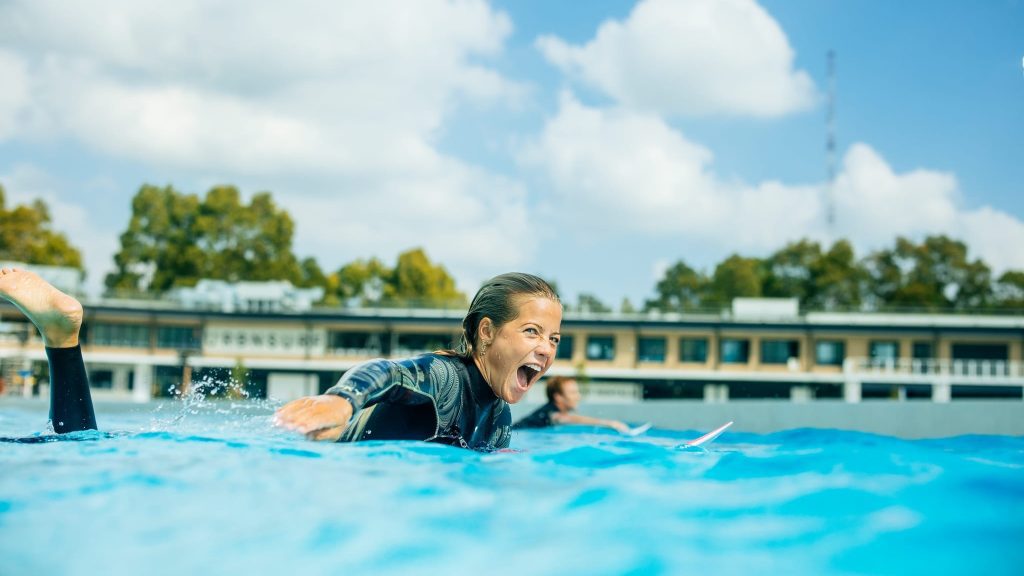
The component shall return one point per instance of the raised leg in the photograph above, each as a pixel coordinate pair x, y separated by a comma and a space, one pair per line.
58, 317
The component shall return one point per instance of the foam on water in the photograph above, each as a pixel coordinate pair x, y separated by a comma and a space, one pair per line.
209, 486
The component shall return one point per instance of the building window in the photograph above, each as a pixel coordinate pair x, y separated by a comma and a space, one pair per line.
693, 350
177, 337
735, 351
564, 348
356, 343
122, 335
779, 351
883, 351
417, 343
980, 351
650, 349
829, 352
922, 351
600, 348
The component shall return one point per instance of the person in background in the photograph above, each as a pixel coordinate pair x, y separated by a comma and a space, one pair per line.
563, 397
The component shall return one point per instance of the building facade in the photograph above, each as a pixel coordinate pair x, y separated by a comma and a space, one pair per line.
761, 349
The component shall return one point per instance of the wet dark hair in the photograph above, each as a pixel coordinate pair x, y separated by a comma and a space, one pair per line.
498, 299
555, 385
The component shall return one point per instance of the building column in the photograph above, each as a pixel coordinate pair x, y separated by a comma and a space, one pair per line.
143, 388
851, 390
942, 391
716, 393
800, 394
851, 384
120, 379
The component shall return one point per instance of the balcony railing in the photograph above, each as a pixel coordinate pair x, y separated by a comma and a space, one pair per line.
974, 369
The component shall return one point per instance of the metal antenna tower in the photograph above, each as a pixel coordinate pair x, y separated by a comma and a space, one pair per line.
830, 145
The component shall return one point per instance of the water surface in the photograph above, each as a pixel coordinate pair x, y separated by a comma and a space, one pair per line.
212, 487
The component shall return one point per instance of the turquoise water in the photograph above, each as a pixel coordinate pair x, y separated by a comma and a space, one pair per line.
213, 488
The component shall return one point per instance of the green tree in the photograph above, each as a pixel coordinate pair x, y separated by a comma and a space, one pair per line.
362, 281
839, 280
245, 242
1009, 290
933, 275
175, 239
26, 236
587, 302
414, 280
627, 307
681, 288
310, 274
734, 277
820, 280
790, 272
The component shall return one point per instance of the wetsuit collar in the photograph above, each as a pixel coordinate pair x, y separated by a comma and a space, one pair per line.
478, 387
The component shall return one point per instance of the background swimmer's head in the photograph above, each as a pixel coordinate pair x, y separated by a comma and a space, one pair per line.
499, 299
563, 391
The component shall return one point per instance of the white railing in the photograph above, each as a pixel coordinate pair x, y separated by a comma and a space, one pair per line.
356, 352
974, 369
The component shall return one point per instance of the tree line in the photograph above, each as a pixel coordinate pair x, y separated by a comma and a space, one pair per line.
173, 239
934, 275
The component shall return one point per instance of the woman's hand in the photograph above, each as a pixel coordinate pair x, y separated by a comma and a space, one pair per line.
322, 417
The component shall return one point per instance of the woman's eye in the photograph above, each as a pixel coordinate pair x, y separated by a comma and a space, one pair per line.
532, 331
556, 340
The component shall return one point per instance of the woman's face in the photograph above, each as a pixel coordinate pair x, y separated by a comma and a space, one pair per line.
516, 355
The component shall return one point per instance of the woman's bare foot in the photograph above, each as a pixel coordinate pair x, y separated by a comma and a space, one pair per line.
57, 315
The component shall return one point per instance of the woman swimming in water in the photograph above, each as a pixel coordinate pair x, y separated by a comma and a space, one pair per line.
510, 335
509, 338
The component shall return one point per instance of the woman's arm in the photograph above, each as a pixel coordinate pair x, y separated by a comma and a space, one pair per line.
325, 417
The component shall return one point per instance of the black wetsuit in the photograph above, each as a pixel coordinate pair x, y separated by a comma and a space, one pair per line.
539, 418
70, 401
432, 397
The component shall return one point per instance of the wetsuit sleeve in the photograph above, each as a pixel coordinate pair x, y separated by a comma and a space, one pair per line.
384, 381
502, 435
70, 401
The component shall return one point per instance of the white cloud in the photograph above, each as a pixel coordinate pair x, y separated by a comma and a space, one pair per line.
339, 103
473, 222
626, 174
329, 87
631, 173
874, 204
690, 57
14, 95
995, 236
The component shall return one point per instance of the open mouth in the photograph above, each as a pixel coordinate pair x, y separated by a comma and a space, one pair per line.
527, 374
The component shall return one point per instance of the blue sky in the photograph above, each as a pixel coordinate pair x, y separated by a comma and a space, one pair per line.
592, 142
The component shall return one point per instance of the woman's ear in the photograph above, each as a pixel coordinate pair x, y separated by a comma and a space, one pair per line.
485, 332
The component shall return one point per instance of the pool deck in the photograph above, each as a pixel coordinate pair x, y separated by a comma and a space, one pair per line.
909, 419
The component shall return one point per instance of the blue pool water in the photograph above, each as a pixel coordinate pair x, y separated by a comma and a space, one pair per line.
212, 488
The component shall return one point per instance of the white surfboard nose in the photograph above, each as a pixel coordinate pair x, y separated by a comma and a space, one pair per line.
709, 436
